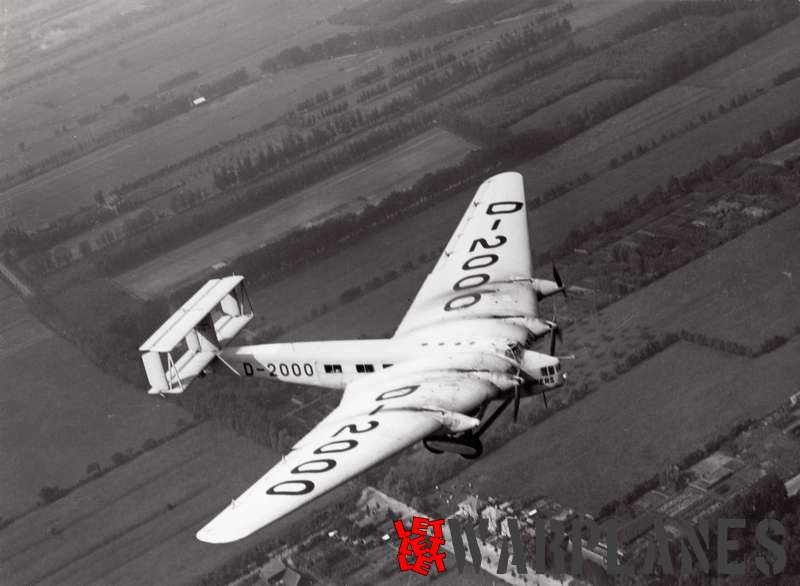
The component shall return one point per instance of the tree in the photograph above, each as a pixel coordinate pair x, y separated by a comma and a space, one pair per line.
118, 458
48, 494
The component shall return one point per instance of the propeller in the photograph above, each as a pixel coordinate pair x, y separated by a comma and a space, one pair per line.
517, 395
559, 281
555, 333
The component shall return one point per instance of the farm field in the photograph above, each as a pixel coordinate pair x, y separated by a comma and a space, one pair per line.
345, 192
64, 190
70, 187
551, 223
136, 524
205, 36
635, 426
754, 65
374, 315
787, 153
558, 113
743, 291
629, 59
672, 108
59, 412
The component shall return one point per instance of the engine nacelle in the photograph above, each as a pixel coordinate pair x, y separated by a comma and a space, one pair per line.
542, 369
545, 288
453, 422
540, 327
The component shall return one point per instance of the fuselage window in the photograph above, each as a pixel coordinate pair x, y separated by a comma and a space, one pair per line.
365, 368
332, 368
387, 365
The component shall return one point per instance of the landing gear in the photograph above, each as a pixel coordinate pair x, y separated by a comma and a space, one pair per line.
467, 445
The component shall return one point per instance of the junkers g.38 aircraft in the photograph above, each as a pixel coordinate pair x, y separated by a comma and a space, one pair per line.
463, 344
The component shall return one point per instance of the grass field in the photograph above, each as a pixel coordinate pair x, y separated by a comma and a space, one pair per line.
59, 413
136, 524
345, 192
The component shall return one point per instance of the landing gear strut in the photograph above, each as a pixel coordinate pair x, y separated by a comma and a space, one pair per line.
467, 445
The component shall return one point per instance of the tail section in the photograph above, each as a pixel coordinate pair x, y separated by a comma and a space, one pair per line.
195, 333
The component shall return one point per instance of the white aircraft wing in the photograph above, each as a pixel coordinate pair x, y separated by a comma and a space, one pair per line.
481, 270
375, 419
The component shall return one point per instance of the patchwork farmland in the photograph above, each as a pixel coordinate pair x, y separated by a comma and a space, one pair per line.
136, 524
346, 192
55, 405
744, 291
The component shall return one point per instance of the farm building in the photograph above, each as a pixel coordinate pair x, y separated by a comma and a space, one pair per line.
712, 470
723, 207
650, 500
755, 212
469, 507
793, 485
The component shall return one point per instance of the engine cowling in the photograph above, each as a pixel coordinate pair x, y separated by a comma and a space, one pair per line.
540, 327
542, 369
545, 288
452, 421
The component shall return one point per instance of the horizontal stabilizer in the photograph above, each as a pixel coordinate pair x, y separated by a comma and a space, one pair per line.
196, 332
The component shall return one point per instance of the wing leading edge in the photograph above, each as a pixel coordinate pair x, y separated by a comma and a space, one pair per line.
481, 271
373, 422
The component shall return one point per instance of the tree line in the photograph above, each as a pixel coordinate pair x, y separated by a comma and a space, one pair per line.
456, 17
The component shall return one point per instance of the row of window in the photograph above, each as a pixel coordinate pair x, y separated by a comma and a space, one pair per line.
550, 370
337, 368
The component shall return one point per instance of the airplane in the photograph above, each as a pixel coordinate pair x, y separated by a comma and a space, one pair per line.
463, 344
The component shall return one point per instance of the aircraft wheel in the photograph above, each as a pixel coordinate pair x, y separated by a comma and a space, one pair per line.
432, 450
477, 447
